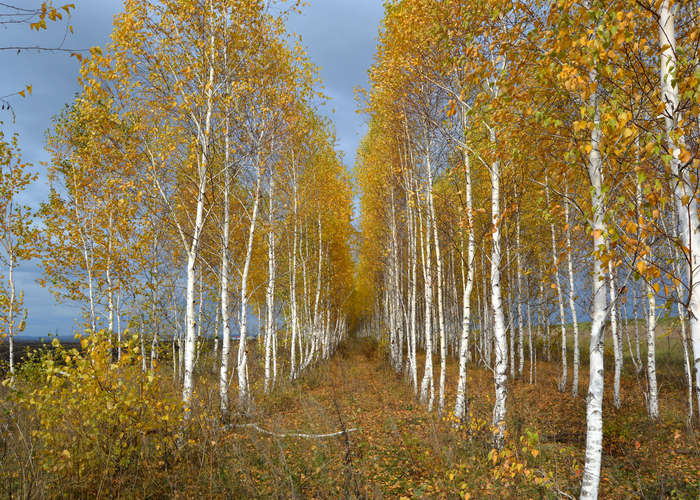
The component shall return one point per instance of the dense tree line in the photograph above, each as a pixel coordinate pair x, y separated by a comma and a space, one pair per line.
196, 189
529, 164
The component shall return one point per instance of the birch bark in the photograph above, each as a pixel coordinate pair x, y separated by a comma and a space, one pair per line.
499, 331
572, 302
615, 337
653, 395
560, 300
594, 402
203, 136
224, 305
242, 369
427, 386
461, 410
684, 195
270, 292
441, 312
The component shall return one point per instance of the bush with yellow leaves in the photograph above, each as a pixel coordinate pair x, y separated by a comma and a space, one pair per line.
101, 424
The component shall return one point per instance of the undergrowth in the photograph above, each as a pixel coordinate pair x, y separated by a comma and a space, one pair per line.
78, 423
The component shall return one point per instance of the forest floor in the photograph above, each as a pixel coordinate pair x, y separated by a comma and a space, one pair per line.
108, 440
401, 450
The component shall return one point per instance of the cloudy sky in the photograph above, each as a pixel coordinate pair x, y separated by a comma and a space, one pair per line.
340, 37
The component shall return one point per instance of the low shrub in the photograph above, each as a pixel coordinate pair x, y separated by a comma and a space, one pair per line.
99, 424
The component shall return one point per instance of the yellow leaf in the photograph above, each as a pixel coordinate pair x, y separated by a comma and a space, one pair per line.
685, 156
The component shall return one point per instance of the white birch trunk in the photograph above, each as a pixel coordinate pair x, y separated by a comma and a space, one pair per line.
461, 403
110, 289
594, 402
519, 302
224, 405
190, 327
270, 292
175, 363
510, 300
684, 194
572, 302
143, 347
686, 361
215, 340
499, 331
293, 286
615, 337
441, 312
11, 305
154, 306
200, 305
91, 291
427, 385
274, 359
242, 368
560, 300
317, 319
413, 256
684, 333
119, 327
531, 352
396, 351
653, 393
193, 250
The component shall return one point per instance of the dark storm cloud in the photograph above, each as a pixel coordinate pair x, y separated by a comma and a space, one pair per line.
339, 35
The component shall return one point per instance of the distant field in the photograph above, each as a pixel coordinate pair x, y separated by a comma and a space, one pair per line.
668, 339
23, 346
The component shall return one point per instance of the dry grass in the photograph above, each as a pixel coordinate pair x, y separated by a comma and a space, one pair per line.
400, 449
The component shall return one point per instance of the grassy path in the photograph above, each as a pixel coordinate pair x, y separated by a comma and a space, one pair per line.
401, 450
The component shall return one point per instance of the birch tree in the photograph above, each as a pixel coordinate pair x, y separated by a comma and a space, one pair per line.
18, 238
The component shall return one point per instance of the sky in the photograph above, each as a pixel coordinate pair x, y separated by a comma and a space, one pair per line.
340, 37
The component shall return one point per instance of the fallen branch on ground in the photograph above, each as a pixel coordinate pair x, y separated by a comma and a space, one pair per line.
295, 434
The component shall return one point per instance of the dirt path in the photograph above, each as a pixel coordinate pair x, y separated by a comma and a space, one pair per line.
388, 456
